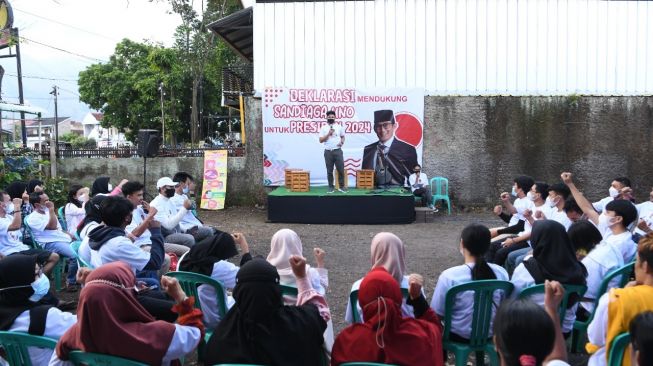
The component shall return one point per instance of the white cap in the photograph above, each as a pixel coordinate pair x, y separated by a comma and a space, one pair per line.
165, 181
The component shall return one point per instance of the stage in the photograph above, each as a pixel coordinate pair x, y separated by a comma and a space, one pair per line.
357, 206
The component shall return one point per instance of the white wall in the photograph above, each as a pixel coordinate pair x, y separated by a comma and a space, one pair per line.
457, 47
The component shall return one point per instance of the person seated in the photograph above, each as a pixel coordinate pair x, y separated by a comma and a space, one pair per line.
102, 186
189, 223
474, 243
74, 211
210, 257
22, 287
515, 216
573, 211
259, 329
553, 259
619, 190
387, 251
286, 243
92, 220
641, 340
618, 307
645, 222
168, 214
19, 190
47, 232
142, 215
584, 238
34, 185
108, 302
558, 194
419, 185
525, 334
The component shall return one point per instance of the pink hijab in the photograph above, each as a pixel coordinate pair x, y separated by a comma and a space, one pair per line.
284, 244
388, 252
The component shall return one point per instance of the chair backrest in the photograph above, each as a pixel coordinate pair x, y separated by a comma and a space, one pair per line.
618, 348
579, 290
181, 259
190, 281
15, 345
80, 262
96, 359
62, 219
35, 244
288, 290
439, 186
624, 271
484, 307
353, 303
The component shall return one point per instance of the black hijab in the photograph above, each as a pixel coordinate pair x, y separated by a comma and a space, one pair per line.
100, 186
32, 184
92, 209
203, 255
16, 189
17, 271
258, 329
553, 255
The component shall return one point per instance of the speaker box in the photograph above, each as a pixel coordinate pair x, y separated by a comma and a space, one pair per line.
148, 143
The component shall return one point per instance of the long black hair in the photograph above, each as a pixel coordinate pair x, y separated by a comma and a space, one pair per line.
641, 335
71, 195
584, 235
476, 239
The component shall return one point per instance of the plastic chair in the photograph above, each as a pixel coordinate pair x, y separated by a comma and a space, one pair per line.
15, 345
288, 290
569, 289
62, 219
353, 302
80, 262
181, 259
480, 340
440, 191
580, 327
58, 269
97, 359
618, 348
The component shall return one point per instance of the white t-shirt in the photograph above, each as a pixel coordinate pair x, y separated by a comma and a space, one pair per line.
559, 216
74, 215
521, 205
522, 279
225, 272
9, 240
406, 309
600, 205
188, 221
167, 213
461, 318
645, 210
597, 332
121, 249
333, 140
38, 221
137, 218
423, 181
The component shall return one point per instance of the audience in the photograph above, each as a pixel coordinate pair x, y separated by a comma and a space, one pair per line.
168, 214
619, 189
19, 190
102, 186
584, 238
645, 211
558, 194
189, 224
92, 220
641, 339
34, 185
515, 217
74, 211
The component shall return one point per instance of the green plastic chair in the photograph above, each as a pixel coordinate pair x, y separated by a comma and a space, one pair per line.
58, 270
288, 290
440, 191
62, 219
80, 262
480, 340
569, 289
353, 303
15, 345
618, 349
580, 327
97, 359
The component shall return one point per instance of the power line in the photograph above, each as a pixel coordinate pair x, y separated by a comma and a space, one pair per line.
68, 91
62, 50
40, 77
66, 25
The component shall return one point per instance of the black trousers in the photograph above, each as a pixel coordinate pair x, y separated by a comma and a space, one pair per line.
331, 158
158, 304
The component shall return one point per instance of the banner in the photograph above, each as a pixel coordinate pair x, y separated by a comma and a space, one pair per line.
214, 186
292, 119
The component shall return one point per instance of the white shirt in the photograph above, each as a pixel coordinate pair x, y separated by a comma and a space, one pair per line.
600, 205
122, 249
225, 272
406, 310
137, 218
423, 181
9, 240
84, 250
188, 221
610, 254
559, 216
597, 332
74, 215
645, 210
332, 142
521, 205
461, 317
167, 214
522, 279
38, 221
57, 323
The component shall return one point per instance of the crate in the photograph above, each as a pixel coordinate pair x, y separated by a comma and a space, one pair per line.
300, 181
288, 176
365, 179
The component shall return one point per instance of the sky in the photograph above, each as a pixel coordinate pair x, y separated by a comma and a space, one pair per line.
87, 30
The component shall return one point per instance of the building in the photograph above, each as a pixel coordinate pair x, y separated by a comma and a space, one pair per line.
105, 137
41, 130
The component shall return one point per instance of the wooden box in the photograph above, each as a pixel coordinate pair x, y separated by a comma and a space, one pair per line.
365, 179
288, 176
300, 181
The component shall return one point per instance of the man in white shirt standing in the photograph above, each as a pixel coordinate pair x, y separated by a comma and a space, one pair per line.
332, 135
419, 185
168, 214
190, 224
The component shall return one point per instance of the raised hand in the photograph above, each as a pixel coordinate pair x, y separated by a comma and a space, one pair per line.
415, 283
298, 265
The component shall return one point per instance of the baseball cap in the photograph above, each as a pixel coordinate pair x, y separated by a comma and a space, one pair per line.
165, 181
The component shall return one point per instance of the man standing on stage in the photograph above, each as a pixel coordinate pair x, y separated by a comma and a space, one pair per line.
389, 155
333, 137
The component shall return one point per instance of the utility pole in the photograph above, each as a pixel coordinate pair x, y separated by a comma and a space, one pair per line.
21, 99
55, 92
163, 121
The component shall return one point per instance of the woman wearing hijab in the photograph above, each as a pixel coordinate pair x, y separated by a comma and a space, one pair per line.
210, 257
74, 211
22, 286
102, 186
286, 243
553, 259
259, 329
19, 190
113, 322
387, 336
387, 251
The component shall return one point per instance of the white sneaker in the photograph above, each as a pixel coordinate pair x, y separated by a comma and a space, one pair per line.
342, 190
330, 190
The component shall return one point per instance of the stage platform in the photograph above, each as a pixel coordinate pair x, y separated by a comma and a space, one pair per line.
358, 206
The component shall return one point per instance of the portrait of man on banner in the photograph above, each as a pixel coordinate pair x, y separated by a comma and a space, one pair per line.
390, 158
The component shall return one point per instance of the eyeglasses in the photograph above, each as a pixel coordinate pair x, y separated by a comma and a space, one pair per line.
384, 125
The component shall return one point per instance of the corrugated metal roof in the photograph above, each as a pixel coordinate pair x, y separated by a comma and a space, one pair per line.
237, 31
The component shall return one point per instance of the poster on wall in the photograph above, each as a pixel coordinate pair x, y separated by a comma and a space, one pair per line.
214, 186
378, 120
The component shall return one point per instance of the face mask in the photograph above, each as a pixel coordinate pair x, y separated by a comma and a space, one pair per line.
170, 192
41, 287
109, 187
185, 190
82, 198
605, 220
9, 207
514, 191
530, 196
331, 121
551, 202
613, 192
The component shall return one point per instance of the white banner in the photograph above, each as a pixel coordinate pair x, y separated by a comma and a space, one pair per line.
292, 119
